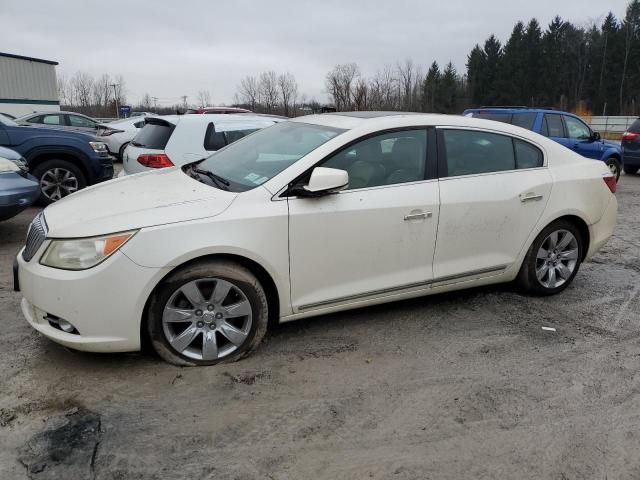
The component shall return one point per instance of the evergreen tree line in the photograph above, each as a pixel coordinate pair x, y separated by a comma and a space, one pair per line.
594, 69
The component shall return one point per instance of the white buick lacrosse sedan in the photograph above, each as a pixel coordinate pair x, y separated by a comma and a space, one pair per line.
316, 215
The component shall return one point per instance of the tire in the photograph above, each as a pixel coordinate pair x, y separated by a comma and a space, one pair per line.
68, 176
614, 165
183, 331
629, 170
528, 278
121, 151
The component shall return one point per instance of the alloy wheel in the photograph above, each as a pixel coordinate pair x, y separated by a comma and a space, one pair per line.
58, 183
556, 259
207, 319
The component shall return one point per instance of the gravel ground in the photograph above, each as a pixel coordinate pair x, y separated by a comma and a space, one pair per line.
462, 385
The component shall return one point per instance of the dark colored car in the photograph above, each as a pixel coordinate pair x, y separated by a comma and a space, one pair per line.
631, 148
18, 189
562, 127
218, 110
63, 161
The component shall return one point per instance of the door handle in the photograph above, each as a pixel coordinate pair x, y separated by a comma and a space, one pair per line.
530, 197
417, 215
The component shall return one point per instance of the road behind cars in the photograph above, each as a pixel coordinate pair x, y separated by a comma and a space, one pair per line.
463, 385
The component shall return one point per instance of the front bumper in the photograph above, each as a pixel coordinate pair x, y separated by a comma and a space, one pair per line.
18, 192
105, 303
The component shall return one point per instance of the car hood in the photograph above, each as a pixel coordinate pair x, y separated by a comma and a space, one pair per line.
152, 198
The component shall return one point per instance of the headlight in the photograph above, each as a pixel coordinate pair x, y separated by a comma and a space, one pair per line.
8, 165
83, 253
98, 147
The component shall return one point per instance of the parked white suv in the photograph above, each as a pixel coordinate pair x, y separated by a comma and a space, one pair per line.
180, 139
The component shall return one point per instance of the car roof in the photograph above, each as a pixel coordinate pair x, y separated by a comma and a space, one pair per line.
247, 120
506, 110
57, 112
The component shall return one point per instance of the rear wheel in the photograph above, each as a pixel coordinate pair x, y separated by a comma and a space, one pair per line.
629, 170
58, 179
208, 313
614, 165
553, 259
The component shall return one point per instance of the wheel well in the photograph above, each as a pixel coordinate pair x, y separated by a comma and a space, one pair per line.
583, 228
270, 289
43, 157
613, 155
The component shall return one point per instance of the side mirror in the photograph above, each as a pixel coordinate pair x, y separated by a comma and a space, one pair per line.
323, 181
595, 136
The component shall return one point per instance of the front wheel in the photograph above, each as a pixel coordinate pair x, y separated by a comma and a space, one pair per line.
553, 259
614, 165
58, 179
207, 313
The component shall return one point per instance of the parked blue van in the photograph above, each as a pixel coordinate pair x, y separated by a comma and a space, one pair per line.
565, 128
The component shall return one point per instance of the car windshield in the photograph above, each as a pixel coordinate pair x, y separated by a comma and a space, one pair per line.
7, 121
264, 154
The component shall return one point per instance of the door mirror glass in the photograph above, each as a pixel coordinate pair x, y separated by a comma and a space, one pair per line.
326, 180
595, 136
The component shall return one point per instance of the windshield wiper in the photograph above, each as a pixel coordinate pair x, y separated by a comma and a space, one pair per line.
221, 182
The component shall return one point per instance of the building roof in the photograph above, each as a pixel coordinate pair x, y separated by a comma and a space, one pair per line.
31, 59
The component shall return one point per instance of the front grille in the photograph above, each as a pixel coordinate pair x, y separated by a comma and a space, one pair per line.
35, 237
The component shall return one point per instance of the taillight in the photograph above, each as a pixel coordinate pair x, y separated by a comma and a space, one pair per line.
610, 180
155, 160
630, 136
108, 131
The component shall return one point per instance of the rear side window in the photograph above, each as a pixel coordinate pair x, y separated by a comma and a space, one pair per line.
524, 120
52, 120
497, 117
154, 136
37, 119
470, 152
635, 126
214, 140
527, 156
552, 125
77, 121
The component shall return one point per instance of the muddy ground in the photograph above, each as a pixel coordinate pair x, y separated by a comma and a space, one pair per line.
463, 385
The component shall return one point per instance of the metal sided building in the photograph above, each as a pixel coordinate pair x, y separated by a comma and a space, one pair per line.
27, 85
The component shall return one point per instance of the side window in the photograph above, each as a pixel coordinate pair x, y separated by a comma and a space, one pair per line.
77, 121
214, 140
576, 129
524, 120
139, 124
470, 152
553, 124
496, 117
527, 156
52, 120
36, 119
234, 135
385, 159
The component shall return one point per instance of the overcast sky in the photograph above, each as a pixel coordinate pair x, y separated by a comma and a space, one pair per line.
173, 48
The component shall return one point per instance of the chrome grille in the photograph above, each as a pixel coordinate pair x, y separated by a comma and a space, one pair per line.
35, 237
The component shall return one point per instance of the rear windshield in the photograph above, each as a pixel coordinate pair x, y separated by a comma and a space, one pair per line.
635, 126
154, 136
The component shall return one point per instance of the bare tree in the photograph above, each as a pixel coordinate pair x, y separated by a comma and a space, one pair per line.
382, 88
147, 102
249, 92
268, 88
65, 94
406, 73
82, 85
288, 92
361, 94
339, 85
204, 98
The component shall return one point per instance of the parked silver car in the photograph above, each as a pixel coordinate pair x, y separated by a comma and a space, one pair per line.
72, 120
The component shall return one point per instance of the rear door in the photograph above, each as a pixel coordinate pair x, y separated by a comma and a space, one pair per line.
493, 190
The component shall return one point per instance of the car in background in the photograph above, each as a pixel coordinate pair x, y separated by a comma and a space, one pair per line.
18, 189
63, 161
180, 139
139, 114
117, 134
218, 110
72, 120
311, 216
565, 128
631, 148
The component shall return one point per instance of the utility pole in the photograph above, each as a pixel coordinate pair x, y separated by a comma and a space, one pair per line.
155, 104
115, 97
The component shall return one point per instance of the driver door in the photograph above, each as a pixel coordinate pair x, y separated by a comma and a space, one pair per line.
377, 237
